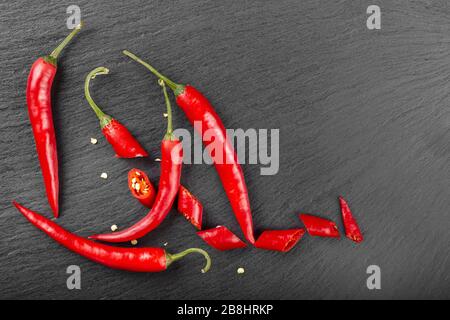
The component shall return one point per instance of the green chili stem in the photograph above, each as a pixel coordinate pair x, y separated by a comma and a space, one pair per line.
169, 133
54, 55
104, 118
177, 88
174, 257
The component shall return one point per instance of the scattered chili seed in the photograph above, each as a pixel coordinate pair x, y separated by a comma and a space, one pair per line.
104, 175
114, 228
134, 242
240, 270
94, 141
158, 160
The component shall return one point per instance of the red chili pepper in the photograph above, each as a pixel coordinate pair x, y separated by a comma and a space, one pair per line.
352, 230
130, 259
221, 238
279, 240
141, 188
319, 227
198, 109
39, 101
190, 207
169, 184
120, 138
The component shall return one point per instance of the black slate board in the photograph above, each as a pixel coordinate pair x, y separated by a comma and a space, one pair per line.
362, 113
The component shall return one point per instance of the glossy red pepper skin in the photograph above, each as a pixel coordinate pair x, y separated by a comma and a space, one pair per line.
169, 184
190, 207
352, 230
319, 227
146, 193
123, 142
39, 103
129, 259
279, 240
221, 238
198, 109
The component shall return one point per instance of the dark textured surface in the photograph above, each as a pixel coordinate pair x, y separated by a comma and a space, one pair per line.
362, 113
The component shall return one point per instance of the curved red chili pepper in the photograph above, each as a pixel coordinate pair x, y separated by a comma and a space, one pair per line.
190, 207
221, 238
279, 240
198, 109
352, 230
130, 259
141, 188
169, 184
319, 227
118, 136
39, 101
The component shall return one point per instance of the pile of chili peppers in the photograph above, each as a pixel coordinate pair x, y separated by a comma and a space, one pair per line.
196, 108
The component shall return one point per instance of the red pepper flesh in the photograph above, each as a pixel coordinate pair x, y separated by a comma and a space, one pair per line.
129, 259
141, 188
125, 145
352, 230
39, 101
279, 240
221, 238
169, 184
319, 227
190, 207
198, 109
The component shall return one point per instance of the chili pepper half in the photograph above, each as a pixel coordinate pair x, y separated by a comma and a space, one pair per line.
120, 138
190, 207
130, 259
198, 109
279, 240
319, 227
141, 188
221, 238
352, 230
39, 101
169, 184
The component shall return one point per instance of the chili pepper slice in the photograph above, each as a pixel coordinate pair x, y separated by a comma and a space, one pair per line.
198, 109
319, 227
120, 138
130, 259
39, 101
190, 207
141, 188
221, 238
279, 240
352, 230
169, 184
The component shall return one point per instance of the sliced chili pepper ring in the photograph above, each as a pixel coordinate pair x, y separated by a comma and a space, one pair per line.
279, 240
141, 188
221, 238
352, 230
319, 227
190, 207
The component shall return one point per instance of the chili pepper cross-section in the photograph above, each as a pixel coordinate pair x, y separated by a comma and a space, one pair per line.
39, 101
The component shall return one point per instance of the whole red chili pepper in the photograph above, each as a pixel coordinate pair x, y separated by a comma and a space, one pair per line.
169, 184
279, 240
122, 141
141, 188
190, 207
39, 101
319, 227
221, 238
198, 109
352, 230
130, 259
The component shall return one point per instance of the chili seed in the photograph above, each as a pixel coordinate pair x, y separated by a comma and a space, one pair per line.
104, 175
114, 228
94, 141
134, 242
240, 270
